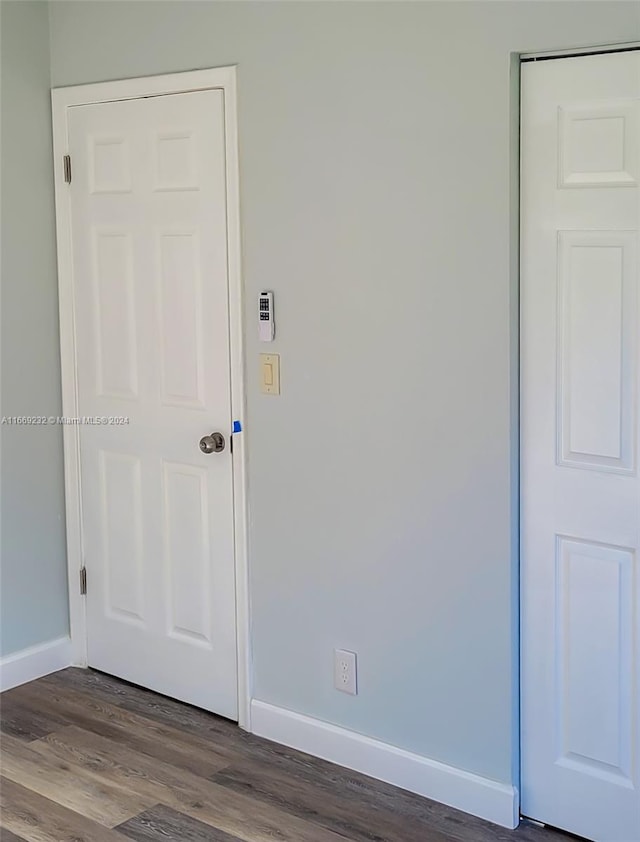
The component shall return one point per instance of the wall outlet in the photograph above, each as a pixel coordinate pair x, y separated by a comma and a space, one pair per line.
344, 671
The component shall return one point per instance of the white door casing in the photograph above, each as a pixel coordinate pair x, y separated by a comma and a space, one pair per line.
580, 492
150, 239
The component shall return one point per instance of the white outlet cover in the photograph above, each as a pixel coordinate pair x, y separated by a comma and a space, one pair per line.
345, 671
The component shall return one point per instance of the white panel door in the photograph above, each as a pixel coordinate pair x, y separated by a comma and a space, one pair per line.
151, 316
579, 409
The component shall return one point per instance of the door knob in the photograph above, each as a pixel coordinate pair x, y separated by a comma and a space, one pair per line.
213, 443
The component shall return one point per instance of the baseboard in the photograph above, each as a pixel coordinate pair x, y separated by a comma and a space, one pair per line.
34, 662
465, 791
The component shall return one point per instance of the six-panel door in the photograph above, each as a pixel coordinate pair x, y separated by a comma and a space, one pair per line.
151, 317
579, 416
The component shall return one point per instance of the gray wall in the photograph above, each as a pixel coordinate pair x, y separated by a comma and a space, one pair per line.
378, 196
33, 554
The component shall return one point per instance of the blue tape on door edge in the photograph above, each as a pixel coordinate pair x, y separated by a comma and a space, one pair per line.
237, 427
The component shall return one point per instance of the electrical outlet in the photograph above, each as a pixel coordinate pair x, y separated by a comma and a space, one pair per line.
344, 671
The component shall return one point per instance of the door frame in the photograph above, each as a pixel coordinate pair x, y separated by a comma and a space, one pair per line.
62, 99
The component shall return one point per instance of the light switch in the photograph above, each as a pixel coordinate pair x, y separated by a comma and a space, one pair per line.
270, 374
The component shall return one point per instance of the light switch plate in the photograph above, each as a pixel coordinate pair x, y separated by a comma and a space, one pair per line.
270, 374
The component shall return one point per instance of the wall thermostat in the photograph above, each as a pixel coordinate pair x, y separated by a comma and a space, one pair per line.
266, 324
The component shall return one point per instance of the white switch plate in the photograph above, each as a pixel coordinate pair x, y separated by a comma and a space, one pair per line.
270, 374
344, 671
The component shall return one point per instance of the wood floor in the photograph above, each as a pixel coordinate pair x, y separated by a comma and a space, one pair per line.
88, 758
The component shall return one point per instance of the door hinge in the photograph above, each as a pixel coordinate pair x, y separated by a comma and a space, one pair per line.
83, 580
67, 168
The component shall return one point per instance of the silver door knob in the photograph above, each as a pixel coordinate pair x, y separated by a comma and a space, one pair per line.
213, 443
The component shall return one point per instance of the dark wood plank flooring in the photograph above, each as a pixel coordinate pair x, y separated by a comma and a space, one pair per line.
88, 758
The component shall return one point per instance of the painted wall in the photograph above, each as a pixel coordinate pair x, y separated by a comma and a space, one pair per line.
33, 553
378, 177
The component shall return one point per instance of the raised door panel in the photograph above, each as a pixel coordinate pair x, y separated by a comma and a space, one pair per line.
116, 352
175, 161
598, 145
595, 660
122, 545
109, 164
181, 303
187, 552
597, 350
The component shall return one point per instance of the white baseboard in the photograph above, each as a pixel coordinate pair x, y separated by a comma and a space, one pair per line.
34, 662
495, 802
